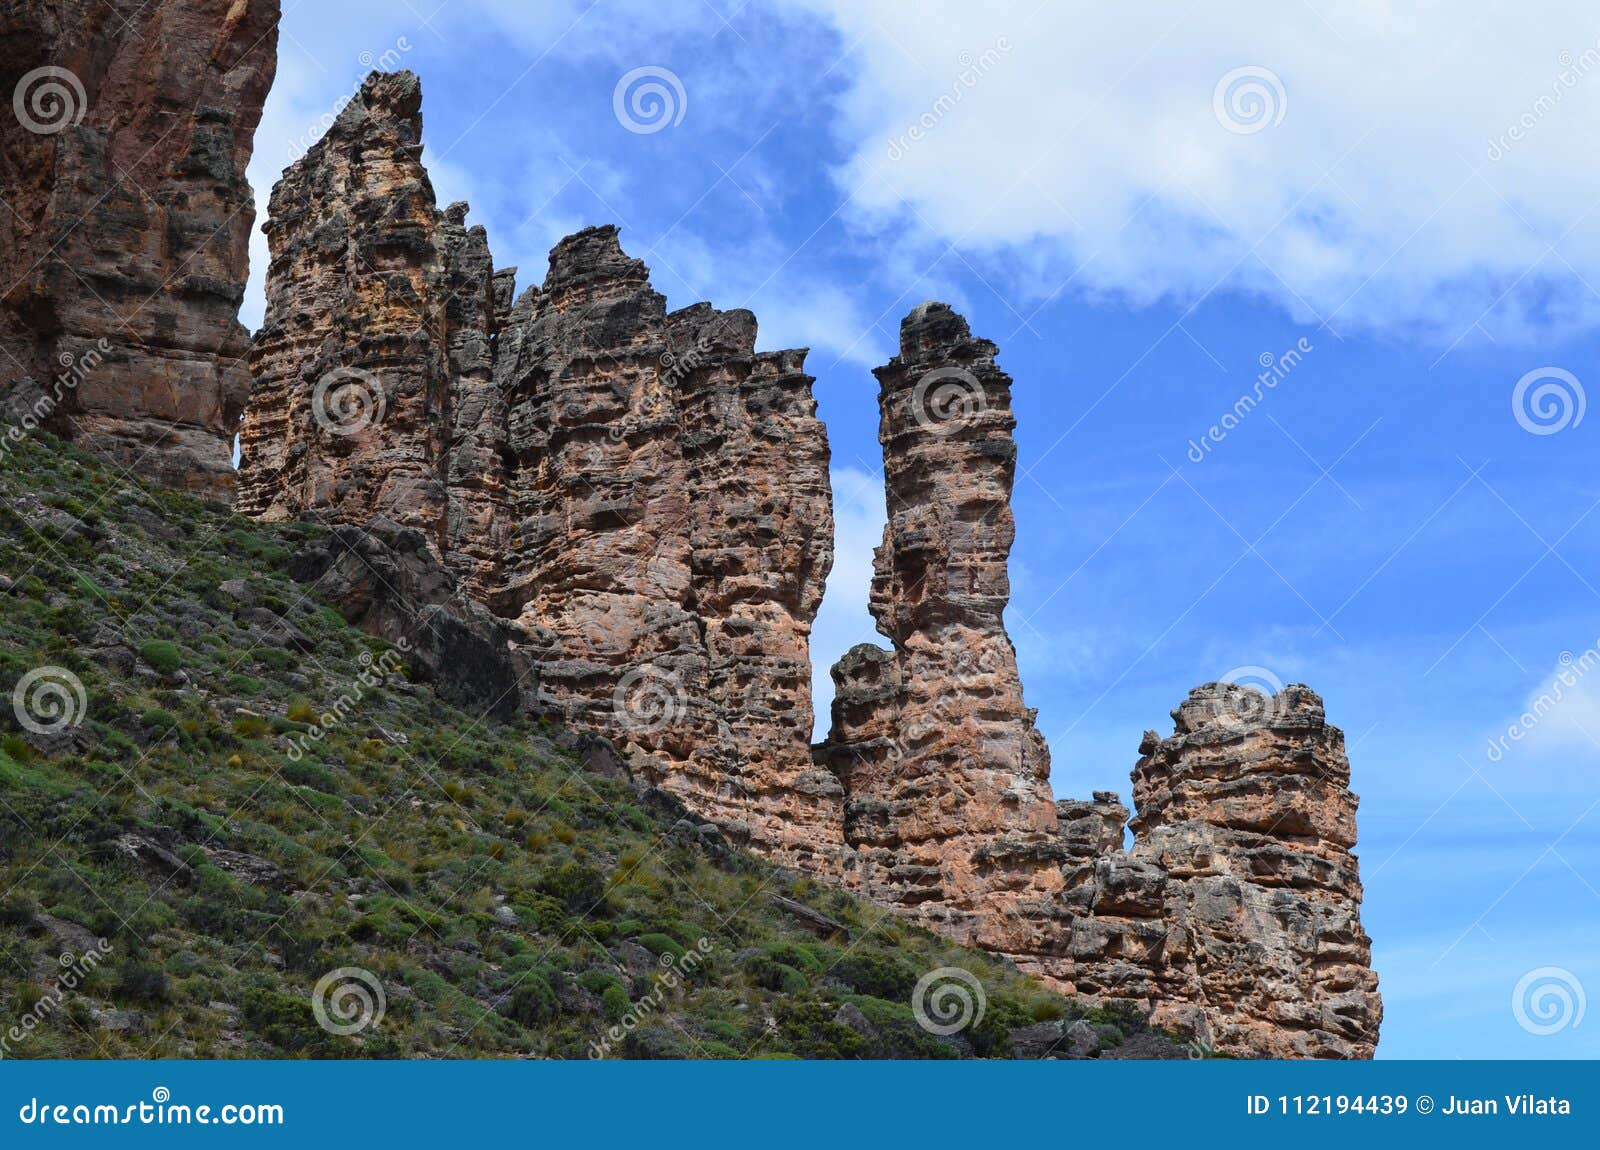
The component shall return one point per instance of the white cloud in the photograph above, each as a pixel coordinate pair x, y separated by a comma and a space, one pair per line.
1088, 150
1556, 735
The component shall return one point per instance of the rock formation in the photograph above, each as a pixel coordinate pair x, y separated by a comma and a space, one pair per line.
1235, 915
124, 250
947, 782
644, 493
641, 501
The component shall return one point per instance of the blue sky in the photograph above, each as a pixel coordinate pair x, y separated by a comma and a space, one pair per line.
1138, 207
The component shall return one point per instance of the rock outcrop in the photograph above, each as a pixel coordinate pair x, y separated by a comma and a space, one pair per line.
628, 510
642, 492
375, 356
948, 800
124, 249
1236, 914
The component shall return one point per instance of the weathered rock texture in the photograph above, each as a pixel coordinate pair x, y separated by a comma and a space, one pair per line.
1235, 915
641, 500
1246, 810
948, 800
128, 220
644, 493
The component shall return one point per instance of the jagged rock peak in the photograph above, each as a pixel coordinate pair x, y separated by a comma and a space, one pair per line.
590, 256
934, 330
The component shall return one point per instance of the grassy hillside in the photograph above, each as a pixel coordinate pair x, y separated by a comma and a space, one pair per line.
502, 899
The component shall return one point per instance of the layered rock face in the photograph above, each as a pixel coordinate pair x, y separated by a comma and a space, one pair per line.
642, 492
641, 500
672, 533
124, 253
948, 799
1235, 915
375, 355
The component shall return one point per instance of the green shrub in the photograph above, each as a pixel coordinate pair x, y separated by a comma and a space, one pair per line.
580, 888
614, 1003
163, 656
309, 774
662, 944
533, 1002
143, 984
155, 719
877, 975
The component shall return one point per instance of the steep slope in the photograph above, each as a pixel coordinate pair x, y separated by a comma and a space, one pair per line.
266, 814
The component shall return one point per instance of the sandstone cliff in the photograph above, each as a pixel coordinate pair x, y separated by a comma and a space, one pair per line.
642, 500
946, 779
643, 492
123, 158
1235, 915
